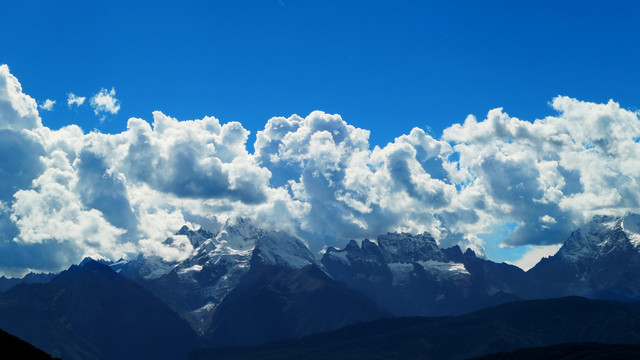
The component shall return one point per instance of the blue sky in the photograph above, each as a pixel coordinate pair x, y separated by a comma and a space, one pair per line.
383, 66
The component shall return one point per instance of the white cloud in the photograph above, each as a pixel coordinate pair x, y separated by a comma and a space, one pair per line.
17, 110
105, 102
547, 219
47, 105
65, 193
72, 99
52, 212
198, 159
562, 168
350, 190
534, 255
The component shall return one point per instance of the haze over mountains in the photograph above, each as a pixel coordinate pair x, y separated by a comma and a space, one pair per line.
245, 285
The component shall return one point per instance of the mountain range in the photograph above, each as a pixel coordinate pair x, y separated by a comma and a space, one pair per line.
248, 286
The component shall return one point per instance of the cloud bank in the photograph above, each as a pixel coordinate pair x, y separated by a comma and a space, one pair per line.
66, 194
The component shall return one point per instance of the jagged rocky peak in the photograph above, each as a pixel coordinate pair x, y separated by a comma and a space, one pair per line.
90, 261
455, 254
352, 253
88, 266
369, 247
196, 237
352, 249
470, 253
408, 248
600, 235
352, 246
239, 241
601, 259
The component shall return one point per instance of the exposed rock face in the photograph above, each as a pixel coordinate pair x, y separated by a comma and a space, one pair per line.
410, 275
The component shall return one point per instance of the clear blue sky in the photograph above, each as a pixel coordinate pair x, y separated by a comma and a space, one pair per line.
386, 66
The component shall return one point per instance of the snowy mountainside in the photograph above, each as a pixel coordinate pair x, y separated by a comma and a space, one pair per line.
195, 286
601, 259
279, 248
404, 274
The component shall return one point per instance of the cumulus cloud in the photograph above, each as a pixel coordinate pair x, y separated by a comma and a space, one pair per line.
20, 162
104, 190
199, 159
74, 100
551, 174
47, 105
65, 194
350, 190
52, 211
104, 102
17, 110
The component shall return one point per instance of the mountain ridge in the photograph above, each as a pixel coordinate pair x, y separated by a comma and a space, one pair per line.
599, 260
242, 268
503, 327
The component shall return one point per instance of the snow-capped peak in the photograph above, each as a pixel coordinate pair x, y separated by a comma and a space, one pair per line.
278, 248
601, 234
238, 234
631, 226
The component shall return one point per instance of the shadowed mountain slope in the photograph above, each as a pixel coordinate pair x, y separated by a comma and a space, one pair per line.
91, 312
504, 327
274, 301
20, 349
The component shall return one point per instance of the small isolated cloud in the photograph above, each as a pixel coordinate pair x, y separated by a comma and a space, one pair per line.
47, 105
72, 99
105, 102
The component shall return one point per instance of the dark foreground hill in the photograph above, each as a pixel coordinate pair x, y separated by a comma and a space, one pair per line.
20, 349
90, 312
583, 351
505, 327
